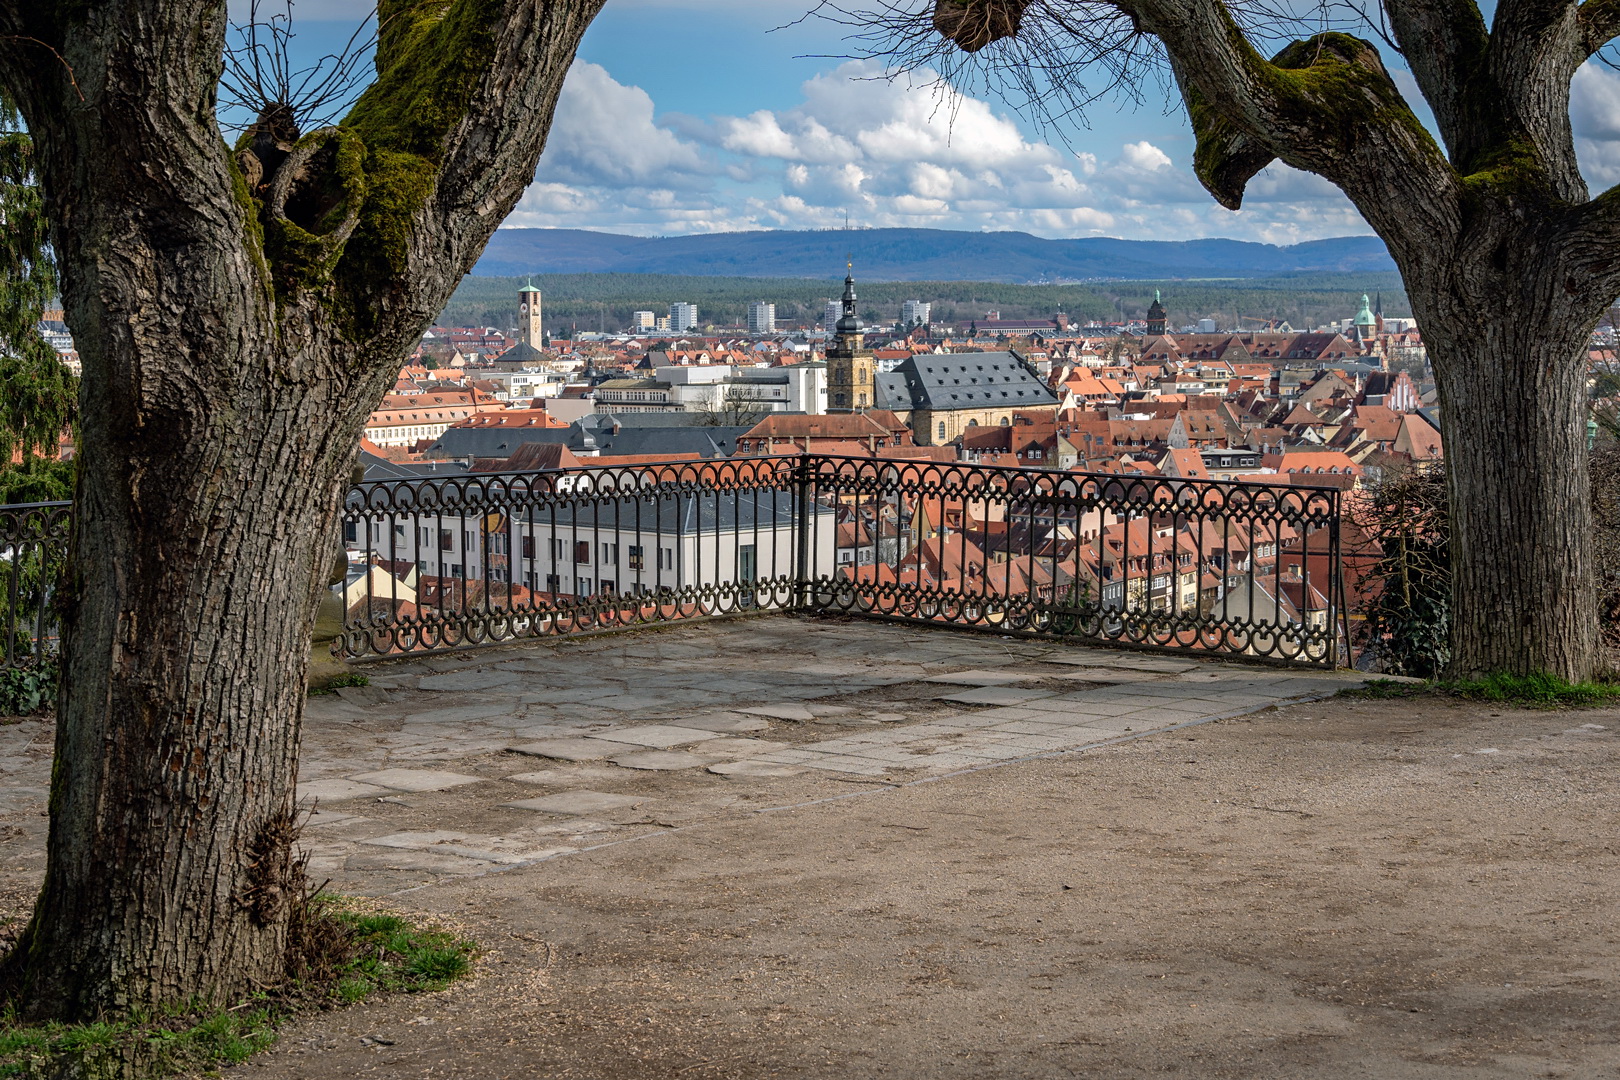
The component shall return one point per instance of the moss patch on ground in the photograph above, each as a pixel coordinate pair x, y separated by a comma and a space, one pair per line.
348, 955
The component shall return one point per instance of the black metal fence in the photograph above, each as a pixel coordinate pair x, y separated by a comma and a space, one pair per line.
1196, 565
33, 551
443, 562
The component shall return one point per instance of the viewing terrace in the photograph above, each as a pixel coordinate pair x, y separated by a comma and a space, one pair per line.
842, 768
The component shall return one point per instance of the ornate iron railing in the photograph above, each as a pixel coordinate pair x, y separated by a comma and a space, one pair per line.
1202, 565
33, 550
450, 561
1198, 565
444, 562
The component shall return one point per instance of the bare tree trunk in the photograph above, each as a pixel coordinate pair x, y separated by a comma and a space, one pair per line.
1513, 399
171, 811
237, 323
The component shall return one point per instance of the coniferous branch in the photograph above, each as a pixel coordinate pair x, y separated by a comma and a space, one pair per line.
38, 394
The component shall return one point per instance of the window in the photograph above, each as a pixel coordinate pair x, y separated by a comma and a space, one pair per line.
553, 584
942, 429
447, 540
666, 558
528, 547
455, 569
351, 532
608, 553
637, 557
584, 588
609, 588
582, 553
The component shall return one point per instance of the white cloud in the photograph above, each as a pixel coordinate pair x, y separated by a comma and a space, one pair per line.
604, 133
1594, 109
1144, 155
887, 153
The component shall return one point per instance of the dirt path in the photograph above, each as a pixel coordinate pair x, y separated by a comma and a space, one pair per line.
1346, 889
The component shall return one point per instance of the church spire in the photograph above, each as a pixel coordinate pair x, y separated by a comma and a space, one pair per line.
850, 368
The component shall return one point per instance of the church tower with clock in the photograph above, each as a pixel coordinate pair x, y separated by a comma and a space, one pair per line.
529, 331
851, 371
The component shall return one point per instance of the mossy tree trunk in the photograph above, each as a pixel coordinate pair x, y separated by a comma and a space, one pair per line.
1508, 262
237, 318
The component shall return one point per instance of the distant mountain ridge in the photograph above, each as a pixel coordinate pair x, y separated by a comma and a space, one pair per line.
918, 255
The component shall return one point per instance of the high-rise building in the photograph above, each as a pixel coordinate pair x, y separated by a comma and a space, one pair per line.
829, 320
643, 320
761, 318
682, 317
915, 313
529, 327
851, 378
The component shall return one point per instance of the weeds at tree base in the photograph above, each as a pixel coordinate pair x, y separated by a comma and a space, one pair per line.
353, 678
1541, 691
339, 955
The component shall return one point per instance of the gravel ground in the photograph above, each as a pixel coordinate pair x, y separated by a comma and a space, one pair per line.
1380, 889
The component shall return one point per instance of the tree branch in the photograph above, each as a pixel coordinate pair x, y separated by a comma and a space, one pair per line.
1599, 22
1444, 42
1588, 247
1325, 105
1521, 94
453, 129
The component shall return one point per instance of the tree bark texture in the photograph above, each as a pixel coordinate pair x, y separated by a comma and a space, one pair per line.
237, 322
1507, 261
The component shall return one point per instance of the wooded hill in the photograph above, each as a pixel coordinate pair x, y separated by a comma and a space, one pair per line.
920, 255
605, 301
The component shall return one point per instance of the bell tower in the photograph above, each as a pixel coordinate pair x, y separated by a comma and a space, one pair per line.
529, 330
1156, 316
851, 371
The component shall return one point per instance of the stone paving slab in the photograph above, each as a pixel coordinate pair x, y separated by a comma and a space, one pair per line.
575, 749
983, 678
467, 680
754, 768
657, 736
724, 723
495, 849
995, 695
741, 747
661, 760
337, 790
783, 711
415, 779
580, 802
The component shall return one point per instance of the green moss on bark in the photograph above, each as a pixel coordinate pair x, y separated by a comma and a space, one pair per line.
430, 58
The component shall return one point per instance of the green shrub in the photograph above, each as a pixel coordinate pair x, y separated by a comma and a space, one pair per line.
29, 689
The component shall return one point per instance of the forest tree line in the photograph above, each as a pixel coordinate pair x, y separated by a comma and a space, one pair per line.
589, 302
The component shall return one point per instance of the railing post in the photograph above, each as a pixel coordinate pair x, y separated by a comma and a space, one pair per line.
801, 523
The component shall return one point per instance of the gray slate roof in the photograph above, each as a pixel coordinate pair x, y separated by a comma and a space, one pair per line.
988, 380
585, 439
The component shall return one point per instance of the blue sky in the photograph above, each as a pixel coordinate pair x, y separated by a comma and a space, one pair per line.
699, 117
